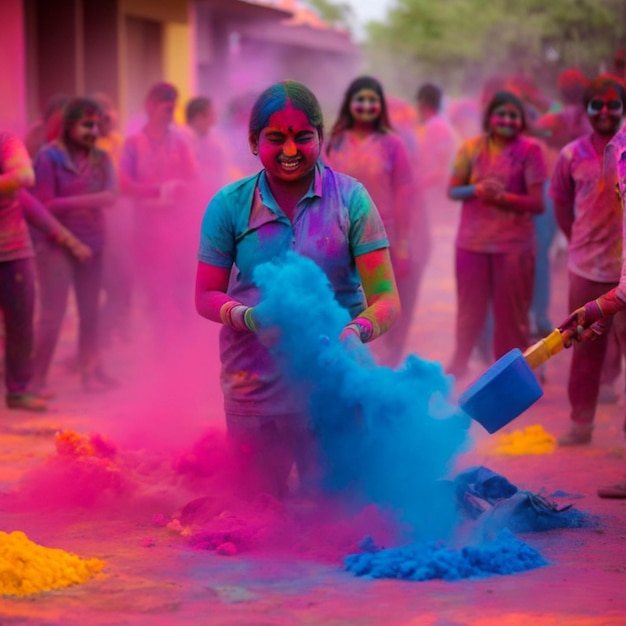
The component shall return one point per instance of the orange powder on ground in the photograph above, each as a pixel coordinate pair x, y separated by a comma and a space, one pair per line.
530, 440
27, 568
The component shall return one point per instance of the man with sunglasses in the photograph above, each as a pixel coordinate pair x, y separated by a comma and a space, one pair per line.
590, 215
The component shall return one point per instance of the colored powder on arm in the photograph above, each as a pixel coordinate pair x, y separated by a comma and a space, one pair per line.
27, 568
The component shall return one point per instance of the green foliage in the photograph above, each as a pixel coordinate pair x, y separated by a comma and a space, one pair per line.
462, 41
336, 13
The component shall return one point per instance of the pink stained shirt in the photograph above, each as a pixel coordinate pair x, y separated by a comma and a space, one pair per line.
484, 227
595, 247
154, 162
615, 179
14, 238
438, 144
381, 162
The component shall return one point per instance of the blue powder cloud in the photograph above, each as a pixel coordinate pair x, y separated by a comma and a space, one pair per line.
387, 437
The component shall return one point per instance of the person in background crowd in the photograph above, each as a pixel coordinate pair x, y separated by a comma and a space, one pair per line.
499, 178
115, 311
465, 116
404, 120
156, 167
590, 216
210, 154
109, 137
363, 145
555, 129
293, 204
49, 127
438, 144
232, 128
17, 268
75, 181
588, 322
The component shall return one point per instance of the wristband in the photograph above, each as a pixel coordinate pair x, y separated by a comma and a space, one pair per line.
363, 327
249, 320
232, 314
237, 316
463, 193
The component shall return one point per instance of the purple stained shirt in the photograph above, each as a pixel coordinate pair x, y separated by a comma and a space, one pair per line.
243, 227
595, 246
484, 227
14, 238
57, 176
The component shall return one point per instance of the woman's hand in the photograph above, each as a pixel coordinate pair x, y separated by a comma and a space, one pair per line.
489, 189
67, 239
81, 251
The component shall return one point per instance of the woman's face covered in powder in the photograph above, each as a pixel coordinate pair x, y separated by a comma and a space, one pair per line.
506, 121
365, 106
85, 131
289, 145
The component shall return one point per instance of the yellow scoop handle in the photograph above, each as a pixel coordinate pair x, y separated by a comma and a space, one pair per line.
541, 351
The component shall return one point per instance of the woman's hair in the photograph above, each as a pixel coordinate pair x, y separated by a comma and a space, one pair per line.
76, 109
500, 98
600, 85
276, 98
345, 120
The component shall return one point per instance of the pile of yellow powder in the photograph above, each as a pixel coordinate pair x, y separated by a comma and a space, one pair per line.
27, 568
530, 440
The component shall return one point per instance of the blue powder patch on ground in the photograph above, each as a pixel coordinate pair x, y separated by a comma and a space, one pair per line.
506, 554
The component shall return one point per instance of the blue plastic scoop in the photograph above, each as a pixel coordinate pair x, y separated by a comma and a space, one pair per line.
509, 386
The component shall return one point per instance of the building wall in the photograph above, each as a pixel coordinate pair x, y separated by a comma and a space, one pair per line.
154, 45
12, 67
177, 68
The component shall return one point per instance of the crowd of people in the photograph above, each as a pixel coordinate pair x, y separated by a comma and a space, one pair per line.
113, 219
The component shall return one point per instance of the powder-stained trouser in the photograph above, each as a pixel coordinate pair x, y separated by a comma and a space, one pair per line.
266, 448
586, 365
58, 270
17, 302
506, 280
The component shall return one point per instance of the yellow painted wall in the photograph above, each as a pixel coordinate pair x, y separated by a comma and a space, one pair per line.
176, 59
177, 63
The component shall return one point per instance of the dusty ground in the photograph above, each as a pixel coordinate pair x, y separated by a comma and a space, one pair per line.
169, 583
